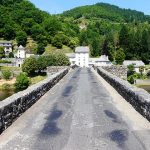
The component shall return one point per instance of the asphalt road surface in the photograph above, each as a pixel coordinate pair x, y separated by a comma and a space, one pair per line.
77, 114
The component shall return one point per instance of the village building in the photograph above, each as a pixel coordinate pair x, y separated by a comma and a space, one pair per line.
101, 61
19, 57
136, 63
81, 58
7, 46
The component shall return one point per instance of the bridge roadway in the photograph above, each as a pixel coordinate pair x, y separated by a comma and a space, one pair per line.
79, 113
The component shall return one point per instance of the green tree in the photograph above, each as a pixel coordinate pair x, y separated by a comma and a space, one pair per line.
57, 42
22, 81
2, 52
95, 47
120, 56
29, 66
40, 48
21, 38
42, 63
61, 60
52, 26
9, 31
11, 55
124, 36
105, 48
73, 42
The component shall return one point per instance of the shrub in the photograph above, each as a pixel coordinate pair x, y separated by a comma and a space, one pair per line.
5, 87
6, 74
131, 79
29, 66
130, 70
22, 81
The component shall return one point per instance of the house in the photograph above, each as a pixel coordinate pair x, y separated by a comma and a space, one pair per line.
137, 64
81, 58
7, 46
21, 55
101, 61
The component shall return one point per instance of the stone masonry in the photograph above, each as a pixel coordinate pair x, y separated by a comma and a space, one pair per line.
119, 71
12, 107
138, 98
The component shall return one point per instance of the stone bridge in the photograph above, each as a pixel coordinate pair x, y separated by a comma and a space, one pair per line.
81, 112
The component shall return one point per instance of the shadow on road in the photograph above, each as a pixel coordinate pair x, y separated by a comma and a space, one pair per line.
119, 137
50, 127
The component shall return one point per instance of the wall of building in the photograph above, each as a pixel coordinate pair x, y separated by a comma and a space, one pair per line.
119, 71
82, 59
12, 107
138, 98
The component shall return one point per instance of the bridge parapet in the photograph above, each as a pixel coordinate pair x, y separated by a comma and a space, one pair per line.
138, 98
119, 71
12, 107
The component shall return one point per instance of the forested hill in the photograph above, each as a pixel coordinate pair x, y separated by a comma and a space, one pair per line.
108, 12
20, 19
106, 29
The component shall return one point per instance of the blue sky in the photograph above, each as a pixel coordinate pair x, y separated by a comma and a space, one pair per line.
58, 6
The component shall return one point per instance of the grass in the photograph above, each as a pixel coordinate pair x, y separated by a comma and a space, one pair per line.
10, 68
49, 49
37, 79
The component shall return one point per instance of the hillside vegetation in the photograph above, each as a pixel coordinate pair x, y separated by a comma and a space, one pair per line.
21, 19
107, 29
107, 12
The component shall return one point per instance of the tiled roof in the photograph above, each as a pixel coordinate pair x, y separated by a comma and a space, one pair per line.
136, 63
82, 49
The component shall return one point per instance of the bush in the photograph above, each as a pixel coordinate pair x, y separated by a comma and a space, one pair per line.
29, 66
22, 81
131, 79
130, 70
5, 87
6, 74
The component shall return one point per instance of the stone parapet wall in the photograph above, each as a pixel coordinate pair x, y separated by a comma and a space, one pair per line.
119, 71
138, 98
12, 107
53, 69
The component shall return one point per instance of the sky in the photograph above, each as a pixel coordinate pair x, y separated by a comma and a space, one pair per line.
58, 6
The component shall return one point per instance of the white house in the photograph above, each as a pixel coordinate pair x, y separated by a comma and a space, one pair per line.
7, 46
137, 64
81, 58
21, 55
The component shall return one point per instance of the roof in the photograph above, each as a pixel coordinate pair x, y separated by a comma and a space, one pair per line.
21, 47
5, 42
102, 58
82, 49
70, 55
136, 63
